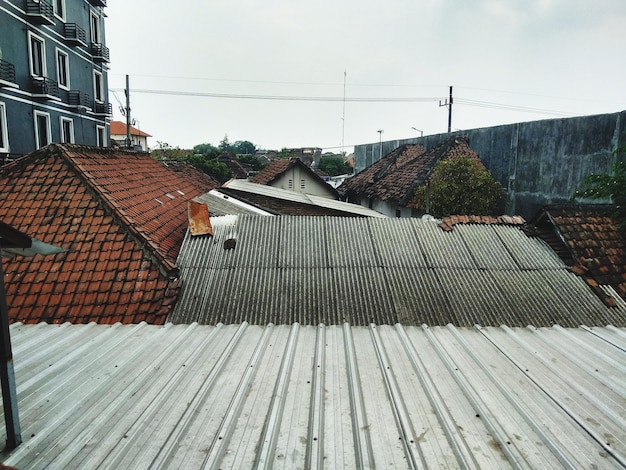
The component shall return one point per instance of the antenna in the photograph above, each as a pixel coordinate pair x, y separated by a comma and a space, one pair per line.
127, 91
343, 118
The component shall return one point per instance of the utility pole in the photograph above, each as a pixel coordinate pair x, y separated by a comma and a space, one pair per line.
127, 91
343, 117
448, 103
380, 144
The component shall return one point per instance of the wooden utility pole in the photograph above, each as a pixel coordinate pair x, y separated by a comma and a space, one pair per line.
448, 103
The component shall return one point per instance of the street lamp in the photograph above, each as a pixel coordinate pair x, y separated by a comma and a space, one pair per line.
380, 144
416, 129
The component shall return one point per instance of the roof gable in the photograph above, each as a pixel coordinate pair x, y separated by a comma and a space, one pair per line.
122, 244
119, 128
274, 170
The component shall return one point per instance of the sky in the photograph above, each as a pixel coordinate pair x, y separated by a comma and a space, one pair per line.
333, 73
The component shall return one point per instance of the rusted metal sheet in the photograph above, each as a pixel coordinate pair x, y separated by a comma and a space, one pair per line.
199, 220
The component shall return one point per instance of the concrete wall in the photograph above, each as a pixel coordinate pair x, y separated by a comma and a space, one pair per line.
539, 162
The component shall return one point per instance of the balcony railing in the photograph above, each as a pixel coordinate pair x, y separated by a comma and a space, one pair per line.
7, 73
105, 109
75, 34
79, 99
99, 52
40, 11
98, 3
45, 88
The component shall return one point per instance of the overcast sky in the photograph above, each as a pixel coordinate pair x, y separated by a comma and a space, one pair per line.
508, 61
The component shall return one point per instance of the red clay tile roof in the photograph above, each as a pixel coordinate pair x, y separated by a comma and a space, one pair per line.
589, 234
121, 215
396, 176
119, 128
273, 170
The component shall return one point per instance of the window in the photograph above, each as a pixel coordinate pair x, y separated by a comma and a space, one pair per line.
37, 50
63, 69
4, 135
290, 184
95, 28
100, 136
302, 184
67, 130
42, 129
98, 86
59, 9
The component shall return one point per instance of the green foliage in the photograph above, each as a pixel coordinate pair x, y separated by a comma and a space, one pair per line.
211, 166
334, 166
224, 145
244, 147
608, 186
165, 152
460, 186
253, 162
206, 150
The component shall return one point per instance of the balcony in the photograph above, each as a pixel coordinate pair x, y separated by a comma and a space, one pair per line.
99, 52
45, 89
79, 99
40, 11
98, 3
7, 74
75, 34
102, 109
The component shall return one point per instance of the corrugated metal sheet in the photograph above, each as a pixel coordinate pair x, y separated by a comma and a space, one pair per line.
221, 204
292, 396
293, 196
358, 270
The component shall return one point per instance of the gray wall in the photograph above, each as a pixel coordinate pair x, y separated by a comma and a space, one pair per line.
539, 162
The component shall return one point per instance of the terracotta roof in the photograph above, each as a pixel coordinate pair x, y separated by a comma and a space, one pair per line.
396, 176
119, 128
586, 237
273, 170
122, 215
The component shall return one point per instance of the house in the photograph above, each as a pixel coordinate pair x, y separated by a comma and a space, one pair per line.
120, 215
53, 75
389, 185
587, 238
363, 270
279, 201
295, 176
138, 138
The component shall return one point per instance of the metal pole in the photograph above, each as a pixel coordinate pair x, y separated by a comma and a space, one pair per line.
380, 144
128, 141
7, 374
450, 112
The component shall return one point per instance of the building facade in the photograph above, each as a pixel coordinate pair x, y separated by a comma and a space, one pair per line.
53, 75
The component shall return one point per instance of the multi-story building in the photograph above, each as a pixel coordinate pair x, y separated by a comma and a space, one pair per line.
53, 74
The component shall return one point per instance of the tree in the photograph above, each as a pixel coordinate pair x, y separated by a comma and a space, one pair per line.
224, 145
608, 186
334, 166
253, 162
207, 150
211, 166
460, 186
244, 147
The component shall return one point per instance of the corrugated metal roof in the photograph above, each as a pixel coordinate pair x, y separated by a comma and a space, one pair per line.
360, 270
293, 396
221, 204
293, 196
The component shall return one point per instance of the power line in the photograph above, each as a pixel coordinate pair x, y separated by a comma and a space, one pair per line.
510, 107
281, 98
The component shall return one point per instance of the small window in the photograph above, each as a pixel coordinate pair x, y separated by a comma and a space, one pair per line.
98, 86
63, 69
59, 9
95, 28
67, 130
302, 184
100, 136
290, 184
4, 134
37, 56
398, 212
42, 129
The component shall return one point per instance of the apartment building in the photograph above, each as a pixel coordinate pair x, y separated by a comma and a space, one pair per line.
53, 75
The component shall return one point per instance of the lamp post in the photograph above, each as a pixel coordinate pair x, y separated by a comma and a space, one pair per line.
380, 144
420, 131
